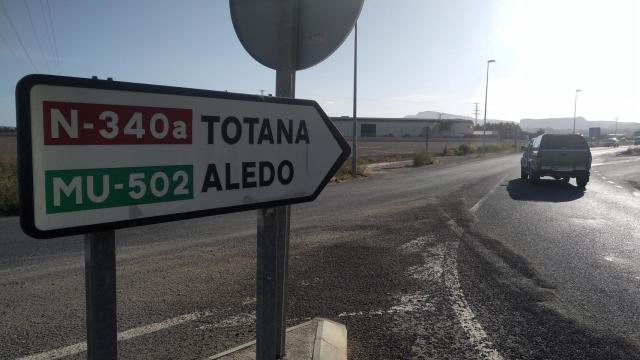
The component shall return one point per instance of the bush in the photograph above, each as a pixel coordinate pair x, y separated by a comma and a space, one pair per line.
8, 187
345, 170
448, 152
423, 158
465, 149
632, 151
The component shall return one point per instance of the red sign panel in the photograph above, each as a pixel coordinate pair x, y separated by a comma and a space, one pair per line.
104, 124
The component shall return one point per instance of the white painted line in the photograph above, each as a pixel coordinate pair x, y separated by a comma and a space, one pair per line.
603, 178
122, 336
616, 162
619, 187
611, 182
477, 205
476, 334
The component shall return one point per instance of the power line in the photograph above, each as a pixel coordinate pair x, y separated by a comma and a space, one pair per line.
13, 27
47, 28
33, 26
53, 34
6, 43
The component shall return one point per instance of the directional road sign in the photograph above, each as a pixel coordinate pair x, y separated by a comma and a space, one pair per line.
97, 155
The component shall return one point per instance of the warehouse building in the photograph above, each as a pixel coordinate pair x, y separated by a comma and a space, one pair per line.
404, 127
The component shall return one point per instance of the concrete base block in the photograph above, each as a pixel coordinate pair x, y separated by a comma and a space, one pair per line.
318, 339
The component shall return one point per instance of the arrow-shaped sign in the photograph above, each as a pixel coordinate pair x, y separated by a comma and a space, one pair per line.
97, 155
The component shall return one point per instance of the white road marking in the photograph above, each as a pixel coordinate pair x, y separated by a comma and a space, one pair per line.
619, 187
616, 162
440, 267
476, 334
122, 336
477, 205
408, 303
611, 182
236, 320
603, 178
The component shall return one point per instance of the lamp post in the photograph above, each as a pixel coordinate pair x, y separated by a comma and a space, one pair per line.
575, 108
484, 125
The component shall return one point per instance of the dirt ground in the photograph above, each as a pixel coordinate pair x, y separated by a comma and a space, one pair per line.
8, 147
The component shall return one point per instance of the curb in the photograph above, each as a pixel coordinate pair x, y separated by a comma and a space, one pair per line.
317, 339
331, 341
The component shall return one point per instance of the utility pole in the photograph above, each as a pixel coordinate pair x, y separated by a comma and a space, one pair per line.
354, 139
484, 126
476, 112
575, 108
615, 132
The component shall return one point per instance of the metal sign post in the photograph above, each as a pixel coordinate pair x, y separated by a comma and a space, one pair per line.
100, 283
285, 35
274, 223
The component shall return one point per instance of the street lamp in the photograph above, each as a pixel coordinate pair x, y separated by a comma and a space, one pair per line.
575, 107
484, 126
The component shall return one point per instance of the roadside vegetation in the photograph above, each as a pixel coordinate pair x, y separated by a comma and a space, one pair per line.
345, 170
467, 149
632, 151
423, 158
8, 187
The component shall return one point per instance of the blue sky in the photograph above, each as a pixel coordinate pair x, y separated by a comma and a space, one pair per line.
414, 55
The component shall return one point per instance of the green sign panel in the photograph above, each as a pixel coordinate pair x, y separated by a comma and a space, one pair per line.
73, 190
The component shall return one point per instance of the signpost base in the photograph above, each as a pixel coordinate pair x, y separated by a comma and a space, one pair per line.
100, 281
271, 281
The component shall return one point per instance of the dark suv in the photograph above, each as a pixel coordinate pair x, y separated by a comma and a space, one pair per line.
559, 156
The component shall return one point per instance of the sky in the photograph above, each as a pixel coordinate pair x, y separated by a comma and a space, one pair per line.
413, 55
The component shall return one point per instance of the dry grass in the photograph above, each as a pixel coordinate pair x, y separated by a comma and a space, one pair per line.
346, 172
8, 187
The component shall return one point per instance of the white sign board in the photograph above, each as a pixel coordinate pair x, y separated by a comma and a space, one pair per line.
97, 155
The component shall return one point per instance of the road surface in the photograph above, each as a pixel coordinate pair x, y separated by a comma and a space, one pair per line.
458, 261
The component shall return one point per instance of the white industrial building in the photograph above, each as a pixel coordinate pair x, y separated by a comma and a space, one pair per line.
403, 127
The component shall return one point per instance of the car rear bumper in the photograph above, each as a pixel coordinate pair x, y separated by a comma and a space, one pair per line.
562, 173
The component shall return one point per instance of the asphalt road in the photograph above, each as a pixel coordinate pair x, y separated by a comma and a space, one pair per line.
458, 261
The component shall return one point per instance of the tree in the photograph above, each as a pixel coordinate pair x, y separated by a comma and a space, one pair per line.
506, 130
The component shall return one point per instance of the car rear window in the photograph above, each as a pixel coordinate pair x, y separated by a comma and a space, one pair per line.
564, 142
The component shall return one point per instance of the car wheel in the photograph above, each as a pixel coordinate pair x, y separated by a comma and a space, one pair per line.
582, 180
533, 177
523, 174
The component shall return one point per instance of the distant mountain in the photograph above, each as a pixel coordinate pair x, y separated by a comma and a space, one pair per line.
564, 124
436, 114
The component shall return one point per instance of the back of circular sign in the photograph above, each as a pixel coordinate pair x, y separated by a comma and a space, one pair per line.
322, 26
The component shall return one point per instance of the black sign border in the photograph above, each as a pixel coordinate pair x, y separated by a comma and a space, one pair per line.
25, 165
